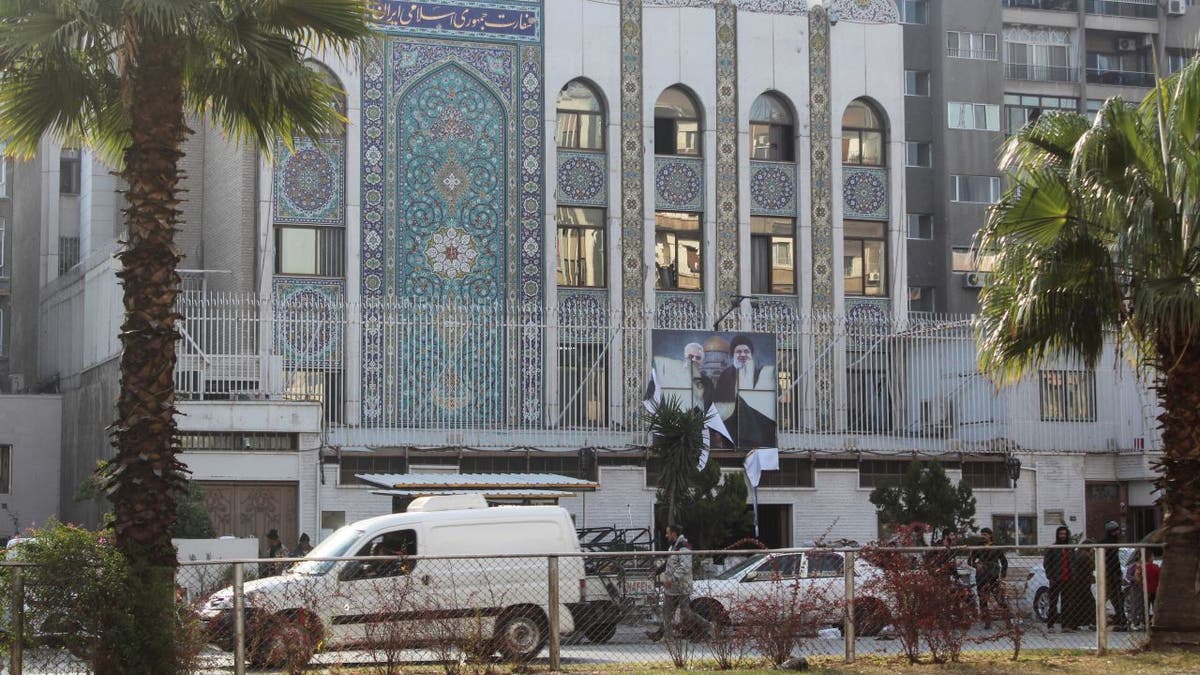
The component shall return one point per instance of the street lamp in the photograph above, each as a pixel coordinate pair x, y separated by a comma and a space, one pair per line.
1014, 472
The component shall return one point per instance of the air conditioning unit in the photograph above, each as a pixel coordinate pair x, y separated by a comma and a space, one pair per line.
974, 280
1127, 44
1176, 7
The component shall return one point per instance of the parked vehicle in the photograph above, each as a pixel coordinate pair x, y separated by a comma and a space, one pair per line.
816, 572
1037, 587
489, 604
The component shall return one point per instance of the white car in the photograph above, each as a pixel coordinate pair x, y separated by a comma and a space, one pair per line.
817, 574
1037, 587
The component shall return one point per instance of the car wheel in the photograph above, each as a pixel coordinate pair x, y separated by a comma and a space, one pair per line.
600, 632
870, 616
283, 642
522, 635
1041, 604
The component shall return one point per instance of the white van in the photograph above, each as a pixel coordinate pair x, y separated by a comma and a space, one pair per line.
482, 604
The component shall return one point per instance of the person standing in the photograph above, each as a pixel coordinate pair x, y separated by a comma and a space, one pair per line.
1151, 572
1057, 565
991, 565
676, 575
275, 549
302, 547
1112, 574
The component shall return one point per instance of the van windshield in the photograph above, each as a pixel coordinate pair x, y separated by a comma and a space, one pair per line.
336, 545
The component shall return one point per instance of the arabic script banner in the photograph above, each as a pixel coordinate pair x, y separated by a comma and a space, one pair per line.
516, 21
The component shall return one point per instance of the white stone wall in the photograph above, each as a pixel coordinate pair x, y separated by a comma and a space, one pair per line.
31, 424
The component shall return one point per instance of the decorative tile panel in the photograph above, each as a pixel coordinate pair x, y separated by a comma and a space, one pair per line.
583, 315
779, 315
308, 322
865, 11
773, 188
866, 320
727, 144
821, 210
310, 182
632, 205
679, 183
515, 21
452, 188
582, 178
865, 193
679, 310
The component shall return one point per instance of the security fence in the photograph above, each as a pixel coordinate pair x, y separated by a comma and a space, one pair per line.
388, 613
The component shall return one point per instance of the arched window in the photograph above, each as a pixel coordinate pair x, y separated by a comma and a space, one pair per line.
676, 124
863, 137
580, 118
327, 75
772, 130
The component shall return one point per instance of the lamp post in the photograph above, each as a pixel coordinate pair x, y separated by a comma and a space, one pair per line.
1014, 472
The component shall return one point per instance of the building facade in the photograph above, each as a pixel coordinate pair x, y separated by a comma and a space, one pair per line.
471, 276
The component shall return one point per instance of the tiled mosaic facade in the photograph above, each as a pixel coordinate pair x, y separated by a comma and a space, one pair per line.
583, 315
865, 193
773, 188
452, 185
679, 310
633, 346
307, 321
582, 178
678, 184
821, 207
865, 11
727, 145
310, 182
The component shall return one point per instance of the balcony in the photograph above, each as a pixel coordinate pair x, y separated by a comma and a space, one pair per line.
1135, 9
977, 54
1052, 5
1120, 78
1036, 73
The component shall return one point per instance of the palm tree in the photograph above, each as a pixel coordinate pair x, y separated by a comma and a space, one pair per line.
119, 76
677, 439
1099, 234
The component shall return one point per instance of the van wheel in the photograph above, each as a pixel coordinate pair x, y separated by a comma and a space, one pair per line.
870, 616
600, 631
282, 643
522, 635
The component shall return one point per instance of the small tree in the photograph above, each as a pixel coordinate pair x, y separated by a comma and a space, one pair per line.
711, 508
925, 495
677, 440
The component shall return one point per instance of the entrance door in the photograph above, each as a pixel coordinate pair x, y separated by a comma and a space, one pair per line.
1103, 503
775, 525
251, 509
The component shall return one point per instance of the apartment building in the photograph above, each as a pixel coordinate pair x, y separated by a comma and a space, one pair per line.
978, 70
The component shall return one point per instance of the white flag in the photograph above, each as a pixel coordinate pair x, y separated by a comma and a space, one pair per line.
713, 421
759, 460
705, 438
653, 394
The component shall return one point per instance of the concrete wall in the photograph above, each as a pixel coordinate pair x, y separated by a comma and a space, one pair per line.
30, 424
230, 177
89, 407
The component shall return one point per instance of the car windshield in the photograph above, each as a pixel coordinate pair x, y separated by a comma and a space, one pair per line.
336, 545
737, 570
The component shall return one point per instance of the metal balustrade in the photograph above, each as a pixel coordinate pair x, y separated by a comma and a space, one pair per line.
1039, 73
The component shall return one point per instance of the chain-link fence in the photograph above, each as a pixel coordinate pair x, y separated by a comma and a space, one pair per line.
389, 612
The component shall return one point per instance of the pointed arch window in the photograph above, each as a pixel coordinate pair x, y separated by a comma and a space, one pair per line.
580, 118
772, 130
863, 136
676, 124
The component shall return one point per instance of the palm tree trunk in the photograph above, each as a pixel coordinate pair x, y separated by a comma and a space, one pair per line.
1177, 608
146, 474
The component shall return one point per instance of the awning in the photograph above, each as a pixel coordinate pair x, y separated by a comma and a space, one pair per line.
440, 483
498, 494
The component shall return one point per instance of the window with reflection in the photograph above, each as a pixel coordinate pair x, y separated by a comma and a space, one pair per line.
865, 261
581, 257
677, 252
580, 118
310, 251
862, 135
772, 131
676, 124
772, 255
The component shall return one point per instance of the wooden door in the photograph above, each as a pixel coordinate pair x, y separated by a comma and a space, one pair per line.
1103, 503
251, 509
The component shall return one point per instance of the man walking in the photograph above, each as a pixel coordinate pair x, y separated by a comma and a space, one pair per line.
676, 575
991, 565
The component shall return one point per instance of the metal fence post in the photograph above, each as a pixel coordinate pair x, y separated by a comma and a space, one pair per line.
1101, 603
1145, 594
552, 573
848, 628
239, 620
17, 634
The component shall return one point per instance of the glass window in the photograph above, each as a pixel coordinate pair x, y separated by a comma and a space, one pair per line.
874, 473
1068, 395
971, 45
772, 132
918, 154
1002, 530
977, 189
916, 83
310, 251
920, 298
920, 225
677, 253
69, 164
973, 116
793, 472
676, 124
350, 465
914, 11
862, 135
1021, 109
772, 255
580, 118
581, 259
1038, 62
985, 474
1178, 58
583, 385
970, 260
865, 258
5, 469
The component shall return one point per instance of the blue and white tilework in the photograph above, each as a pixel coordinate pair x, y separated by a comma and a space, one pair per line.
678, 184
865, 193
582, 178
308, 322
773, 188
310, 182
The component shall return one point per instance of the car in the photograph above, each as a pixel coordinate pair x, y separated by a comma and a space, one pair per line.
1037, 587
817, 574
